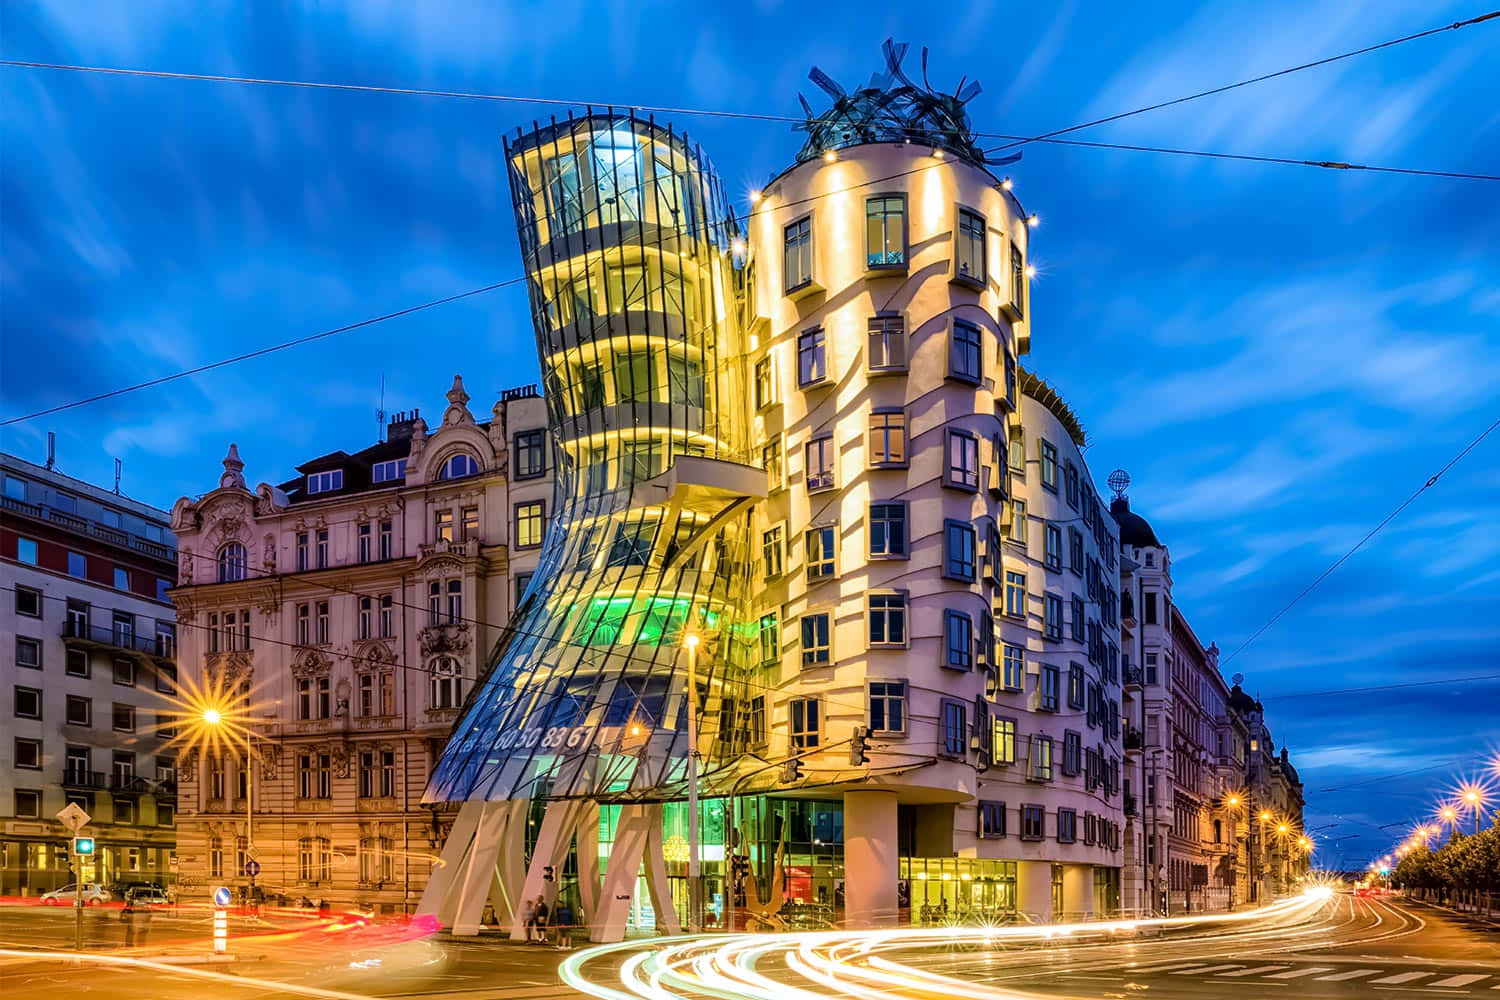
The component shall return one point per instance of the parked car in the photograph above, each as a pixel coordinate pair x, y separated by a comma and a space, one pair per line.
93, 894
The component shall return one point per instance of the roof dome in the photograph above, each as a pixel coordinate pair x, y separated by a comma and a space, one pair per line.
1134, 529
1242, 702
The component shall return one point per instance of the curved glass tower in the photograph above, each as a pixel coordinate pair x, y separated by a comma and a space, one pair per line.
626, 240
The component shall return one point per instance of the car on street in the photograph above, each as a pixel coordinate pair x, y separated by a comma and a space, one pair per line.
147, 896
93, 895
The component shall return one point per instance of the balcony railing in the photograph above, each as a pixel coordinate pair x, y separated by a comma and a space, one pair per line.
1130, 805
1132, 676
120, 638
94, 529
77, 777
1133, 739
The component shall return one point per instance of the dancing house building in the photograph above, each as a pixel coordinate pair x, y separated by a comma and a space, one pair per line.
824, 554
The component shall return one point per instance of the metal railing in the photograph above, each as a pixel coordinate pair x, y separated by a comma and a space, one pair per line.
120, 638
94, 529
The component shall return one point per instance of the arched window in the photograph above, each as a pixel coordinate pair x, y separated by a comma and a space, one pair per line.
232, 561
459, 466
447, 683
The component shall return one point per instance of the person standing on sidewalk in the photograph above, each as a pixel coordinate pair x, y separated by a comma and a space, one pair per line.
541, 920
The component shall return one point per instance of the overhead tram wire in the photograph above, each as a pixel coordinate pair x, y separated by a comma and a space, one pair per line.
261, 352
1431, 482
1456, 25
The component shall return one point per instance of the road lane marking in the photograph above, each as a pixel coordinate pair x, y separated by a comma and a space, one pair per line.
1401, 977
1339, 977
1463, 980
1298, 973
1207, 970
1255, 971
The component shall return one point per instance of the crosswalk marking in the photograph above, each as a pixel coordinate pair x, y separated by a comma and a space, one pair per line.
1464, 980
1206, 970
1299, 973
1339, 977
1255, 971
1400, 977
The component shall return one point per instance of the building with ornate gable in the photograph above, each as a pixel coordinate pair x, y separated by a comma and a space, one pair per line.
343, 615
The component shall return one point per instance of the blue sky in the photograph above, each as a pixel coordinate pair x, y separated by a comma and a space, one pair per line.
1278, 355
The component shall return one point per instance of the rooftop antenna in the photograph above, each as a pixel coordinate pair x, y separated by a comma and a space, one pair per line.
51, 450
380, 413
117, 477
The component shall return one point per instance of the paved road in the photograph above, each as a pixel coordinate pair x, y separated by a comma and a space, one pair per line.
1344, 948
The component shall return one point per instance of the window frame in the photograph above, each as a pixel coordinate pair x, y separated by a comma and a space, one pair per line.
531, 444
1052, 617
819, 654
894, 615
822, 565
806, 248
887, 328
1052, 546
813, 344
524, 510
882, 432
955, 570
991, 816
799, 735
905, 217
886, 508
953, 729
958, 625
964, 233
955, 354
894, 692
828, 477
1003, 740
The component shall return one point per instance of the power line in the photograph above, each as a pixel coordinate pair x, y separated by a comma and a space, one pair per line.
1257, 79
1468, 678
1432, 481
1283, 160
260, 352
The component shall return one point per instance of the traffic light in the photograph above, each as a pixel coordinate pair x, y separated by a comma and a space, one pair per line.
792, 772
739, 868
83, 845
858, 747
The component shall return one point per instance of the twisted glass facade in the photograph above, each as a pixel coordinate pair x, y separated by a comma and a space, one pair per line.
626, 240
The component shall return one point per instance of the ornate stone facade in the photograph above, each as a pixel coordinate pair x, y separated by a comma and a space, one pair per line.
350, 609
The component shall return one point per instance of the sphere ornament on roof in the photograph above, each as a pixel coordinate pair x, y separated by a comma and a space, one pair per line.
893, 108
1119, 481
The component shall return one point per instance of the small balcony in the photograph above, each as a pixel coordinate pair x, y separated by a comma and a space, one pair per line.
1133, 739
129, 784
78, 632
1132, 677
77, 777
1131, 808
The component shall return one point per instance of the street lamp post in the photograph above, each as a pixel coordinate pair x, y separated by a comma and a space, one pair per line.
694, 889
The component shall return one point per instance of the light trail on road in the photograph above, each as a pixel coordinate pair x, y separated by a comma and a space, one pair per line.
807, 966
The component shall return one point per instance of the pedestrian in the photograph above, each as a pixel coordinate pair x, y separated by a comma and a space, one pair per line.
127, 917
541, 920
563, 920
528, 919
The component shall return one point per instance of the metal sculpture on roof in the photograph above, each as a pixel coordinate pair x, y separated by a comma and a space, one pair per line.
893, 108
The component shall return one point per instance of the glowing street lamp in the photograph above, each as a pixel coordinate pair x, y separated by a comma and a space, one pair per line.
1473, 796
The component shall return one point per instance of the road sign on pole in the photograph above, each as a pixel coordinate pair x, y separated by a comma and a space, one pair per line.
73, 817
252, 868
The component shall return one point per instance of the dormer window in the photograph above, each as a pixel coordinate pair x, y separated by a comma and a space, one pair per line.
385, 472
458, 467
325, 482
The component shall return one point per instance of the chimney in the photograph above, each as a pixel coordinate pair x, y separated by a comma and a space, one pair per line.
401, 425
51, 450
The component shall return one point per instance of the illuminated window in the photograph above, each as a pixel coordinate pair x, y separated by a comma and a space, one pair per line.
1013, 673
885, 231
1041, 758
887, 344
970, 249
1003, 742
1017, 280
770, 638
529, 524
1018, 522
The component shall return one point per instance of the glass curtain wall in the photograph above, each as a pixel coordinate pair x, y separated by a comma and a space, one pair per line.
625, 235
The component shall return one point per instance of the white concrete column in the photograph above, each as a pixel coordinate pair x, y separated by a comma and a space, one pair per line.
871, 867
624, 867
1078, 892
1034, 889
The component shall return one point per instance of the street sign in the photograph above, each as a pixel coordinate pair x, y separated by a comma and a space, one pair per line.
252, 868
83, 845
222, 896
73, 817
252, 853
